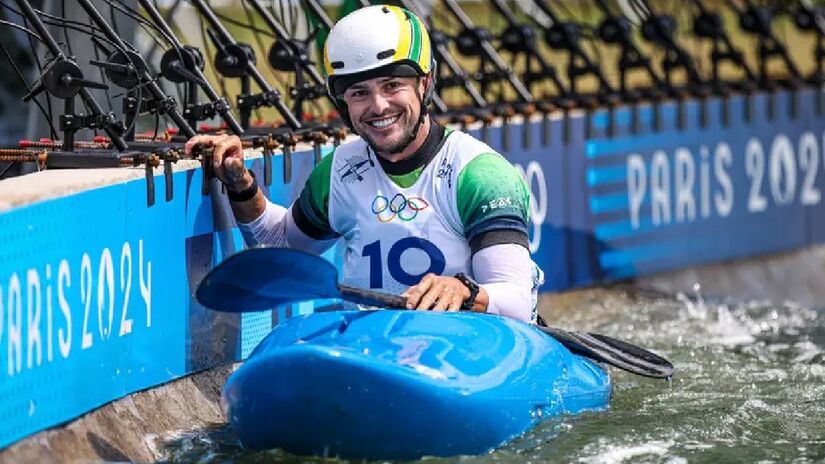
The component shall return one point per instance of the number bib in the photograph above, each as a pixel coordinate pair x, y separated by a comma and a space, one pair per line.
395, 235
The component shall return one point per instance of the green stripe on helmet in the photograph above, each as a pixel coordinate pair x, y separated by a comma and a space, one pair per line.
415, 46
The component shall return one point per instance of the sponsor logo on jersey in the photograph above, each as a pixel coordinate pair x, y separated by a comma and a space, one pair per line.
399, 206
445, 171
355, 167
497, 203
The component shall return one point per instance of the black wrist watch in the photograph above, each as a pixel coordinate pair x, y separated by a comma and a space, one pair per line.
245, 194
472, 285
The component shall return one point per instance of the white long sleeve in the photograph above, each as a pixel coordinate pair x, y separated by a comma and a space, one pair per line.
276, 227
511, 280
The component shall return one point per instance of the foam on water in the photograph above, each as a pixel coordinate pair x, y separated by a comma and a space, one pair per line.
613, 453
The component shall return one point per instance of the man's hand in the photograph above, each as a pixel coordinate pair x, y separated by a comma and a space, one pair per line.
437, 293
227, 159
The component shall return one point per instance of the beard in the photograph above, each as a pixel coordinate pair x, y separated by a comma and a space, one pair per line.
396, 145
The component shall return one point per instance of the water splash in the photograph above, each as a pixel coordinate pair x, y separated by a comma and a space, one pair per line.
749, 387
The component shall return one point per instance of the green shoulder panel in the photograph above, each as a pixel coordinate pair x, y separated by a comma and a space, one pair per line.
490, 188
314, 198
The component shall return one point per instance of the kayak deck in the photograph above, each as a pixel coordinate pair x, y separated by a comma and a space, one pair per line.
405, 384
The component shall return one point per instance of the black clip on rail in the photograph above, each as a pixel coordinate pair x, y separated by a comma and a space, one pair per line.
708, 24
184, 64
521, 40
125, 66
811, 18
290, 55
617, 30
474, 41
125, 69
237, 60
757, 21
659, 29
63, 79
566, 36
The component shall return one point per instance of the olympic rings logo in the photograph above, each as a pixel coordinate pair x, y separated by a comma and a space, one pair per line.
405, 208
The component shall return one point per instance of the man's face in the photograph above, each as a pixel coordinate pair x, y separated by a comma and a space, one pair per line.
384, 110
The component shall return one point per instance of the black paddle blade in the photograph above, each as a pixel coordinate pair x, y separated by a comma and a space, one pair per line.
258, 279
615, 352
643, 358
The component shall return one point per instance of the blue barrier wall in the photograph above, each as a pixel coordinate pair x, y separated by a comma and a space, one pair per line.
683, 185
95, 288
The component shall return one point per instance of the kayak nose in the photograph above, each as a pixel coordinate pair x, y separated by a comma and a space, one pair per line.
405, 384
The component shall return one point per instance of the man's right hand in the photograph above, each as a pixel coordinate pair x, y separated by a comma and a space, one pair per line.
227, 159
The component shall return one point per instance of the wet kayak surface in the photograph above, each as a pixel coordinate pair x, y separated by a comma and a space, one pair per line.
749, 387
390, 384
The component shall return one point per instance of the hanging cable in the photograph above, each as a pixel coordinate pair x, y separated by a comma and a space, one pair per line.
39, 65
256, 35
167, 17
92, 31
113, 20
157, 127
145, 24
20, 28
62, 22
247, 25
30, 35
150, 28
208, 52
6, 169
281, 13
102, 74
22, 77
66, 31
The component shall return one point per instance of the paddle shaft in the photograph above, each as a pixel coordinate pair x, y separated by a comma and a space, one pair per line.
371, 297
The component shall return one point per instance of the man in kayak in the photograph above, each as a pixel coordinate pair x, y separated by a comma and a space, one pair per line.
424, 210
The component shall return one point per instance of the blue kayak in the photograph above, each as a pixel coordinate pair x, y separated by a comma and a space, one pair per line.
405, 384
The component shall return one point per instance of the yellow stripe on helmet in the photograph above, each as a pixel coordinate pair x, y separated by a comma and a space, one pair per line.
404, 34
327, 63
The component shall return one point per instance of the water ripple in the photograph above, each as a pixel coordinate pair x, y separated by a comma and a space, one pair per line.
748, 388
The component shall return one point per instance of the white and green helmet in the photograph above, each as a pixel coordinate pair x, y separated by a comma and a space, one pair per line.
375, 41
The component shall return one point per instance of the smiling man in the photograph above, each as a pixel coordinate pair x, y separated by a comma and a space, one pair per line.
431, 213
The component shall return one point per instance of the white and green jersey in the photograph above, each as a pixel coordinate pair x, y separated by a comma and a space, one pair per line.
427, 213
